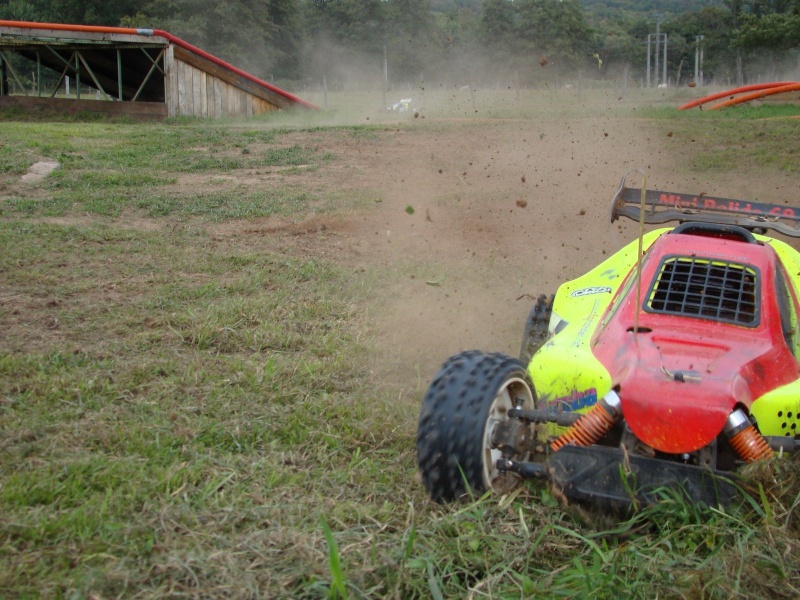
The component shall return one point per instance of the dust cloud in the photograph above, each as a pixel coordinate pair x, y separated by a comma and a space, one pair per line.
502, 212
476, 209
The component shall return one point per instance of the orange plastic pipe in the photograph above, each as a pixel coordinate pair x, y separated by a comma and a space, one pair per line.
756, 95
733, 92
160, 33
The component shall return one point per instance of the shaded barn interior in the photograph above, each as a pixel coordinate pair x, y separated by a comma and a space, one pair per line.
139, 72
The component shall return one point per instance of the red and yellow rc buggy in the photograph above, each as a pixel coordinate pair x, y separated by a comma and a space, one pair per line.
671, 363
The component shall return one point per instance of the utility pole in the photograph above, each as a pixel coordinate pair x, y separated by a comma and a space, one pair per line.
658, 46
698, 60
659, 37
385, 75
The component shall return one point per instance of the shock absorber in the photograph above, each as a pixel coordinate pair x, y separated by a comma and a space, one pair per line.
745, 439
593, 425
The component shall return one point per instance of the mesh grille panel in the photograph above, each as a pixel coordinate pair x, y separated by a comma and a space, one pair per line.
700, 287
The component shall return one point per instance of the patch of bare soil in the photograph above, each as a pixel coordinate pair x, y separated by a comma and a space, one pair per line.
477, 219
502, 212
459, 224
472, 220
38, 171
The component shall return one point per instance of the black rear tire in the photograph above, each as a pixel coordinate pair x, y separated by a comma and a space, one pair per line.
468, 397
536, 329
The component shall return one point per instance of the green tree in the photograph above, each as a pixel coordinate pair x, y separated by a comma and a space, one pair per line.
497, 22
764, 31
411, 38
497, 35
458, 32
556, 29
88, 12
771, 31
715, 25
19, 10
344, 39
286, 42
617, 46
357, 25
241, 32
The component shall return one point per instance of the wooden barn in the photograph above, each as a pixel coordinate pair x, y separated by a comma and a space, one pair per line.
145, 73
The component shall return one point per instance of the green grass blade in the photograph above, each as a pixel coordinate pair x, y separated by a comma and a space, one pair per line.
338, 588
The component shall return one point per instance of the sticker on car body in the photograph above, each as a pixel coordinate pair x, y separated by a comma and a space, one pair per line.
590, 291
574, 401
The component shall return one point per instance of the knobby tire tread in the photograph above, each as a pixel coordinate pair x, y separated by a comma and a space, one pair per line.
452, 421
537, 326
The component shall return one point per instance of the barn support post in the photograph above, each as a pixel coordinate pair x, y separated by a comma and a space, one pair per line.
38, 75
119, 75
77, 76
154, 66
94, 77
67, 67
13, 74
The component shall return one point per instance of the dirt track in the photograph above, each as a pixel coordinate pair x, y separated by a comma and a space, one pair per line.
463, 223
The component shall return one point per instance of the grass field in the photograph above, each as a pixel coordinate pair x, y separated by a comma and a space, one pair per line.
184, 414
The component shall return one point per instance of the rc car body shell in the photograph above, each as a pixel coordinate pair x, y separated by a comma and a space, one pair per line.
679, 376
669, 364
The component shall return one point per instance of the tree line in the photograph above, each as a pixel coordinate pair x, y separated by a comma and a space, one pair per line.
459, 42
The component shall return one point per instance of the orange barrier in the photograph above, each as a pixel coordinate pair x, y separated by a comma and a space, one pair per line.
733, 92
756, 95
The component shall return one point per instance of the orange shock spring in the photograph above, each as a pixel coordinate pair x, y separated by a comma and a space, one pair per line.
592, 425
750, 445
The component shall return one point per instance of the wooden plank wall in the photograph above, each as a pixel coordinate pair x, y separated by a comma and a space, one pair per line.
195, 93
136, 110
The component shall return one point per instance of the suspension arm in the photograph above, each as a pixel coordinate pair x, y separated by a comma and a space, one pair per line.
564, 419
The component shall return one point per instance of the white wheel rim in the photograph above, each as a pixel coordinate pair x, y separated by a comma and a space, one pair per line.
511, 390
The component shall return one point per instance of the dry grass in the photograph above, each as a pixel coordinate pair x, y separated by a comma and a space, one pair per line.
188, 416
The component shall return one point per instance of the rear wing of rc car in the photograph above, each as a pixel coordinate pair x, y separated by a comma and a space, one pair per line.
663, 207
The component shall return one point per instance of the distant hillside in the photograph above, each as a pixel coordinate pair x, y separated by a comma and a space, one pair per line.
606, 9
602, 9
